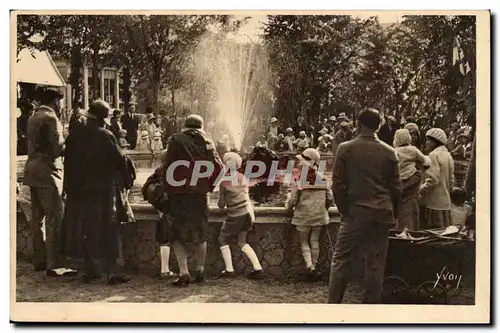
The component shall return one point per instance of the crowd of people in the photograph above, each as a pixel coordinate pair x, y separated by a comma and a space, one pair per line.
383, 176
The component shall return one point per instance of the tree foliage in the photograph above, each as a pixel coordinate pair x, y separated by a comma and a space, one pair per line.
328, 64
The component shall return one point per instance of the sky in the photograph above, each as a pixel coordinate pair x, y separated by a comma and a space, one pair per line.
254, 26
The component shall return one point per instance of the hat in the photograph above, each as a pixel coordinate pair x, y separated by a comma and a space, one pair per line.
391, 118
144, 134
332, 118
123, 131
402, 137
150, 116
273, 120
309, 156
437, 134
289, 130
465, 134
344, 124
342, 115
157, 134
412, 127
194, 121
99, 110
232, 159
302, 133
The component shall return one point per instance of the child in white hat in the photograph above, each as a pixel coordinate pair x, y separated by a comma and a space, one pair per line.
156, 147
233, 194
310, 202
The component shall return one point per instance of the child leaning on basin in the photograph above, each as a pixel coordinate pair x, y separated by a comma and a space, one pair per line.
310, 201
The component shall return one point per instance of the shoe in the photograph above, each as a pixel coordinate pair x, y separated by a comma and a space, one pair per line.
118, 279
61, 272
167, 275
312, 274
226, 274
182, 281
199, 277
256, 274
40, 267
89, 277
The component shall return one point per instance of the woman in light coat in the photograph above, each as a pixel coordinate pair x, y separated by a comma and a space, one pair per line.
439, 179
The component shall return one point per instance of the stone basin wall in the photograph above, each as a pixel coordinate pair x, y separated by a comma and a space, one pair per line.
274, 240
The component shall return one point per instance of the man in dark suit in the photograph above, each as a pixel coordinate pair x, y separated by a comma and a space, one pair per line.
367, 190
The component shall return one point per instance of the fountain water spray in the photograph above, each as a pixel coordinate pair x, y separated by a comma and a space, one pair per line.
239, 74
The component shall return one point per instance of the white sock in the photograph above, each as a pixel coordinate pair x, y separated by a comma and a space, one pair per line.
306, 253
226, 255
250, 253
164, 257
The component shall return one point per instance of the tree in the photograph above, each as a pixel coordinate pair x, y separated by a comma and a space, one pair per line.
161, 41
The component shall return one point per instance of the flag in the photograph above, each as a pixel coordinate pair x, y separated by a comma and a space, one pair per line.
459, 57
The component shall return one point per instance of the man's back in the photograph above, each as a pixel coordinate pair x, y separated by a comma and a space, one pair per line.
101, 158
366, 177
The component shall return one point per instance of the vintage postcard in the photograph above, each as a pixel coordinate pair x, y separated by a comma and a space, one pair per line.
250, 167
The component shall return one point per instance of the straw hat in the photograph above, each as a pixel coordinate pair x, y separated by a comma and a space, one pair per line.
274, 120
144, 134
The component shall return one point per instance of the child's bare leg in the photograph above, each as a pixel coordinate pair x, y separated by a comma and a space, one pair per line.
315, 232
181, 256
304, 246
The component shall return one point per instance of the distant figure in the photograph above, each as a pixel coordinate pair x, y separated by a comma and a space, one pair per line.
115, 125
289, 139
77, 118
273, 127
262, 143
463, 147
416, 140
439, 180
43, 173
144, 142
122, 141
22, 127
302, 142
130, 123
460, 210
343, 134
300, 126
367, 191
240, 217
387, 130
453, 136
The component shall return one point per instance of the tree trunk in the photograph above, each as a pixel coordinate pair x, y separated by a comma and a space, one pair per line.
173, 100
76, 66
126, 88
95, 74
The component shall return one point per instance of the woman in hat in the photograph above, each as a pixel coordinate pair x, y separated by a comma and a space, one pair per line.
310, 202
463, 147
439, 179
273, 127
415, 135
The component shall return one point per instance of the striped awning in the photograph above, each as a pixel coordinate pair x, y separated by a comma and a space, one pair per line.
38, 68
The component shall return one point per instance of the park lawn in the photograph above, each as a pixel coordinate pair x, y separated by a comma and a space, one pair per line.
35, 287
